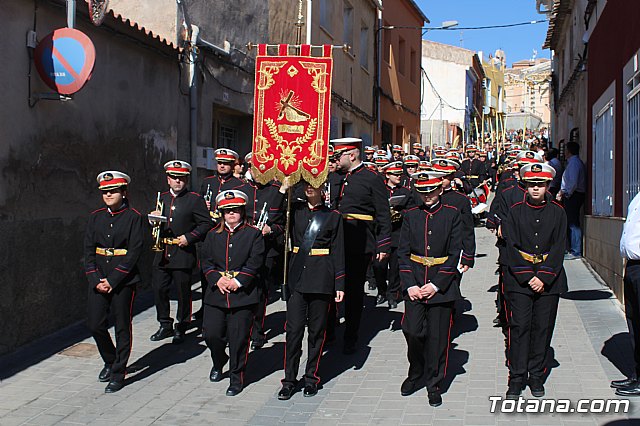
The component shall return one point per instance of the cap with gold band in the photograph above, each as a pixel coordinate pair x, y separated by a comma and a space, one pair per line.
380, 160
440, 152
381, 152
341, 145
112, 179
453, 155
525, 157
427, 181
394, 168
417, 145
471, 148
482, 153
177, 168
411, 160
397, 148
369, 165
537, 172
225, 155
424, 166
248, 157
444, 165
369, 150
230, 199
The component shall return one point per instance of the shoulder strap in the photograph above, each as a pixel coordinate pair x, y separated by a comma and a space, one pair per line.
310, 234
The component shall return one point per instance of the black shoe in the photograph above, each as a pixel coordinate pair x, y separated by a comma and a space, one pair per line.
178, 337
234, 390
514, 390
435, 399
393, 304
310, 390
408, 387
257, 344
633, 390
616, 384
198, 315
215, 375
161, 334
114, 386
496, 272
286, 392
349, 348
380, 299
536, 387
105, 374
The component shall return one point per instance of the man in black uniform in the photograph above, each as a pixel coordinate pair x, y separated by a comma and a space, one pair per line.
461, 202
112, 247
316, 275
535, 230
232, 254
429, 252
222, 180
473, 168
188, 222
364, 206
400, 199
411, 163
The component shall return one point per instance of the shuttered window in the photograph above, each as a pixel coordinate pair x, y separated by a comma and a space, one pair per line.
602, 166
632, 186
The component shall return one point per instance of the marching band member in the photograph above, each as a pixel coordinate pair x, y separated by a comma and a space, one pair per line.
429, 251
535, 230
224, 177
112, 247
316, 275
367, 229
411, 164
188, 222
400, 199
232, 255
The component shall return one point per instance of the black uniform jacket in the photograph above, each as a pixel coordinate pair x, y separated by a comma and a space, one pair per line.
186, 215
363, 192
473, 167
334, 184
121, 229
495, 214
258, 195
323, 274
434, 231
399, 207
217, 183
462, 203
535, 230
240, 252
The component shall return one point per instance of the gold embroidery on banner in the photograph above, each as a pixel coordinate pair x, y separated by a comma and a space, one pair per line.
292, 71
287, 128
315, 150
290, 108
262, 146
289, 148
267, 71
317, 71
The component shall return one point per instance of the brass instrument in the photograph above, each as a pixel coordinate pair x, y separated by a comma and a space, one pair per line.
264, 216
396, 216
156, 222
208, 194
327, 195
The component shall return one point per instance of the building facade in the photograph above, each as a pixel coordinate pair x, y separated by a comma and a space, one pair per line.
528, 85
398, 74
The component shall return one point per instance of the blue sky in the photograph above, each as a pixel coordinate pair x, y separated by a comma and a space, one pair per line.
517, 42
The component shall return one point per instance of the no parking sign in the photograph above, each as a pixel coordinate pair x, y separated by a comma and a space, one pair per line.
64, 59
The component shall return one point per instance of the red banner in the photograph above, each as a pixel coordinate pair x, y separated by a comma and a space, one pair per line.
292, 115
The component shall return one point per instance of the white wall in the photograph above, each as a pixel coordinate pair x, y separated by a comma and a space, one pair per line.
449, 80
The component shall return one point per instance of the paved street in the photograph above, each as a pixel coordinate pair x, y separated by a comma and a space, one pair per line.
171, 383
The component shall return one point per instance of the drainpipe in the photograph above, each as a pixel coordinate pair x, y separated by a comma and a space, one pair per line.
193, 102
71, 13
309, 10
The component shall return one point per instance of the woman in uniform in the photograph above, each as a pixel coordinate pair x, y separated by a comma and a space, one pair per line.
232, 255
112, 246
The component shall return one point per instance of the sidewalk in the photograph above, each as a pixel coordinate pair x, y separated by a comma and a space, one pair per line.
171, 386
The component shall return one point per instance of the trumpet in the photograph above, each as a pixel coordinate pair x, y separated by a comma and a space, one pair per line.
156, 222
262, 219
208, 194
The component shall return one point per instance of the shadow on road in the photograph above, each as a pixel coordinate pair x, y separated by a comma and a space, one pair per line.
618, 349
587, 295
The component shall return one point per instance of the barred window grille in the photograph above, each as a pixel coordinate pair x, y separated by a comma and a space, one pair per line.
602, 166
633, 147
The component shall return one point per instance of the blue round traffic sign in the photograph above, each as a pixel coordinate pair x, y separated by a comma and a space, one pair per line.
65, 59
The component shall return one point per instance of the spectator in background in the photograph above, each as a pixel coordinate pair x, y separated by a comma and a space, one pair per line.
551, 157
572, 190
630, 250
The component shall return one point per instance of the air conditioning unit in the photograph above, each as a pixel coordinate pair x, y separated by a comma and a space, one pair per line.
205, 158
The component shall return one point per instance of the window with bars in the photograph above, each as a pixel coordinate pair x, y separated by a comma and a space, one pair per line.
602, 166
632, 186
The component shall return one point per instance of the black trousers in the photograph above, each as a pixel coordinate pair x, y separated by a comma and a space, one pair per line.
308, 309
264, 285
371, 276
121, 303
355, 274
501, 300
162, 279
632, 307
388, 269
532, 319
234, 324
427, 329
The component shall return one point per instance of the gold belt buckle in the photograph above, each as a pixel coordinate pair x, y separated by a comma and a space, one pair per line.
109, 252
428, 262
538, 258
